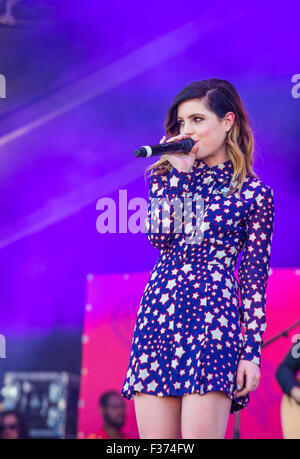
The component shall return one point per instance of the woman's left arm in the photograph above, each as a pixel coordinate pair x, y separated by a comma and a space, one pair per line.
253, 276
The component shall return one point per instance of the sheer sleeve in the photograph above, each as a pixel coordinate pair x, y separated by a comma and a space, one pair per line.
253, 273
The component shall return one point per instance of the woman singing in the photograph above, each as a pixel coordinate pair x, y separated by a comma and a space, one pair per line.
190, 364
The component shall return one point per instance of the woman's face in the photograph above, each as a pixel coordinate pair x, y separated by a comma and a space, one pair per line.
204, 127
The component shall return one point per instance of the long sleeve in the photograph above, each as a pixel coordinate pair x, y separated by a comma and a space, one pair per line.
253, 273
286, 374
163, 218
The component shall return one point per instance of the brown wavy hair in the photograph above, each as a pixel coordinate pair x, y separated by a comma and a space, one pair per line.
220, 97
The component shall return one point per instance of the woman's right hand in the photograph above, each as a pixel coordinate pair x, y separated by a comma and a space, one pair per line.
181, 161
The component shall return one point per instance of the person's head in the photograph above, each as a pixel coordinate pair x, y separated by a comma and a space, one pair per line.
221, 126
13, 426
112, 408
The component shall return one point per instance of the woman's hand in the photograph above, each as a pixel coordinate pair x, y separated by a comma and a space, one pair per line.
251, 372
181, 161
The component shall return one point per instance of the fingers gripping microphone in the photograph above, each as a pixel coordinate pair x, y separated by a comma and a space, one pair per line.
181, 146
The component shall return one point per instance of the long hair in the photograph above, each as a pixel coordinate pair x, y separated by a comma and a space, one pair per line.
220, 97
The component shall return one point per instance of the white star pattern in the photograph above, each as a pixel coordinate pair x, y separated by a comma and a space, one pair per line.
171, 284
144, 358
174, 363
216, 276
216, 334
223, 321
171, 309
187, 268
180, 351
174, 181
162, 318
226, 293
164, 298
138, 387
258, 312
143, 374
257, 297
178, 337
248, 194
152, 386
208, 317
154, 366
188, 334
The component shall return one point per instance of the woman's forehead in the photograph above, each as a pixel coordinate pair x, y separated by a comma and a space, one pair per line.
188, 107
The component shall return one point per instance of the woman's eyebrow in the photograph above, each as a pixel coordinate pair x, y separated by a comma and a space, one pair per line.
191, 116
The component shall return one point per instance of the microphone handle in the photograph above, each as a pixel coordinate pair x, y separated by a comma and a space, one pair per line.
183, 146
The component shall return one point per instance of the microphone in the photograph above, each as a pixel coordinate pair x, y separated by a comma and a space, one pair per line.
181, 146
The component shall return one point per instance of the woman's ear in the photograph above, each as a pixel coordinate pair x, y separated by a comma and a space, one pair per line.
229, 120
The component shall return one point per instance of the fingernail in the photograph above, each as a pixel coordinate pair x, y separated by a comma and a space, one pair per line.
238, 387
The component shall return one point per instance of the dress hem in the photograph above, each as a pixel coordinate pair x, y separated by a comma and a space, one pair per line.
235, 406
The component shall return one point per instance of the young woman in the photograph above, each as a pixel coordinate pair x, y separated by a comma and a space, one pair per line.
190, 365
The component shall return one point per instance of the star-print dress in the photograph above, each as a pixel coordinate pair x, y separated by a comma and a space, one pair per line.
188, 332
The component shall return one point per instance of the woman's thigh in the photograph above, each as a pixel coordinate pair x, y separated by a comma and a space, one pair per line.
206, 415
157, 417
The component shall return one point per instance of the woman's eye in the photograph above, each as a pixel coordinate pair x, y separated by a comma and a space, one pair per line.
196, 118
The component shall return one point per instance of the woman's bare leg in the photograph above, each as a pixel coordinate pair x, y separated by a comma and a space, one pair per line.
205, 416
157, 417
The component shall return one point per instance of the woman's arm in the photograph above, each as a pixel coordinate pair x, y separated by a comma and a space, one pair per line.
253, 273
165, 206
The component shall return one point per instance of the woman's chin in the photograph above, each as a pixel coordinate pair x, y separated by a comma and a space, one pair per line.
200, 156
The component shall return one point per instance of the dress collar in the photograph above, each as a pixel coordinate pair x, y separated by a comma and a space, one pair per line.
221, 171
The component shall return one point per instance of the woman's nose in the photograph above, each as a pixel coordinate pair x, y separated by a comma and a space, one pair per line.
187, 130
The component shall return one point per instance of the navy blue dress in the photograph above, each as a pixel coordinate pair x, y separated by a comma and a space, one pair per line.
188, 332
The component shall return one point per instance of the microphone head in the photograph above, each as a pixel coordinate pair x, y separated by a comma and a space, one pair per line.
140, 152
187, 144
